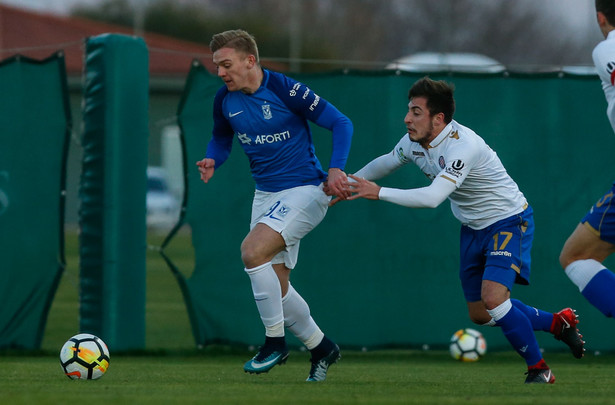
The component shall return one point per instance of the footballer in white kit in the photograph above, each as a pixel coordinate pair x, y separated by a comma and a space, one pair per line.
479, 189
593, 240
497, 222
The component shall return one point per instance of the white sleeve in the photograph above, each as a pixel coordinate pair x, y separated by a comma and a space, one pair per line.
387, 164
424, 197
379, 167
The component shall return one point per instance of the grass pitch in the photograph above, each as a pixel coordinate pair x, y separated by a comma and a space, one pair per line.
215, 376
171, 371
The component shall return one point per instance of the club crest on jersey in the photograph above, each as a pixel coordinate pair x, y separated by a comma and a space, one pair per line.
441, 162
267, 112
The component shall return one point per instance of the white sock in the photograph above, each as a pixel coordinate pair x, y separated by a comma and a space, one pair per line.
298, 320
500, 311
268, 297
580, 272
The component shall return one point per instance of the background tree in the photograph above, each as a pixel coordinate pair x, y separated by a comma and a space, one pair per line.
328, 34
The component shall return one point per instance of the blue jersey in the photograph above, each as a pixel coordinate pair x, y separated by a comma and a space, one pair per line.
272, 127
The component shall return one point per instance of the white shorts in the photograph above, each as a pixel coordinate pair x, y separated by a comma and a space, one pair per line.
293, 213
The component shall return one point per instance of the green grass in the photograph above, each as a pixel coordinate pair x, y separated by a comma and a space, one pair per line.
380, 377
172, 371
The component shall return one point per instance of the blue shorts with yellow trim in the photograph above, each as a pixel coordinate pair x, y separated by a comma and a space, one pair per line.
601, 217
499, 252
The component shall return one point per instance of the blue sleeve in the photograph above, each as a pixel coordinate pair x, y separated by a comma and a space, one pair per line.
303, 101
341, 128
221, 143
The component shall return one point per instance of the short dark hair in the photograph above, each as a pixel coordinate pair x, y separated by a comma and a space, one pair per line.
607, 7
439, 95
238, 40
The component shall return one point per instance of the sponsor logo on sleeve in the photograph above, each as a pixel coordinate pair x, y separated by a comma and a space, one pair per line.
401, 155
455, 168
315, 102
293, 91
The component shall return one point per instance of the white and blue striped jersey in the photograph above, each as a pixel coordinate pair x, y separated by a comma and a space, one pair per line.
272, 127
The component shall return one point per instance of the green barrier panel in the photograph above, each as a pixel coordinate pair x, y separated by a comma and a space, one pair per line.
376, 274
35, 126
112, 191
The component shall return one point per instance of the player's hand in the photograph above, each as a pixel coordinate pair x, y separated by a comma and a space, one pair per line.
327, 191
206, 168
337, 184
362, 188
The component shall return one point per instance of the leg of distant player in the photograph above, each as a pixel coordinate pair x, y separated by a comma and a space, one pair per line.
582, 257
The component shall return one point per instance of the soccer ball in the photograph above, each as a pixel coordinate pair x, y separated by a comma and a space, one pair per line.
84, 357
467, 345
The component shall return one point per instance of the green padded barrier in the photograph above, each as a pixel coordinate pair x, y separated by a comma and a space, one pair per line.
35, 125
376, 274
112, 190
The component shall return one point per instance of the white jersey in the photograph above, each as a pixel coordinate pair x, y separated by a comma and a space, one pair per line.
484, 193
604, 59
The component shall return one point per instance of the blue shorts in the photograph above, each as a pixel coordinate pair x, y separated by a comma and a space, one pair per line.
601, 217
499, 252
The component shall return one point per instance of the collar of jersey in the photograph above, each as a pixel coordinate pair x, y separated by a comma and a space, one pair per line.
441, 136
